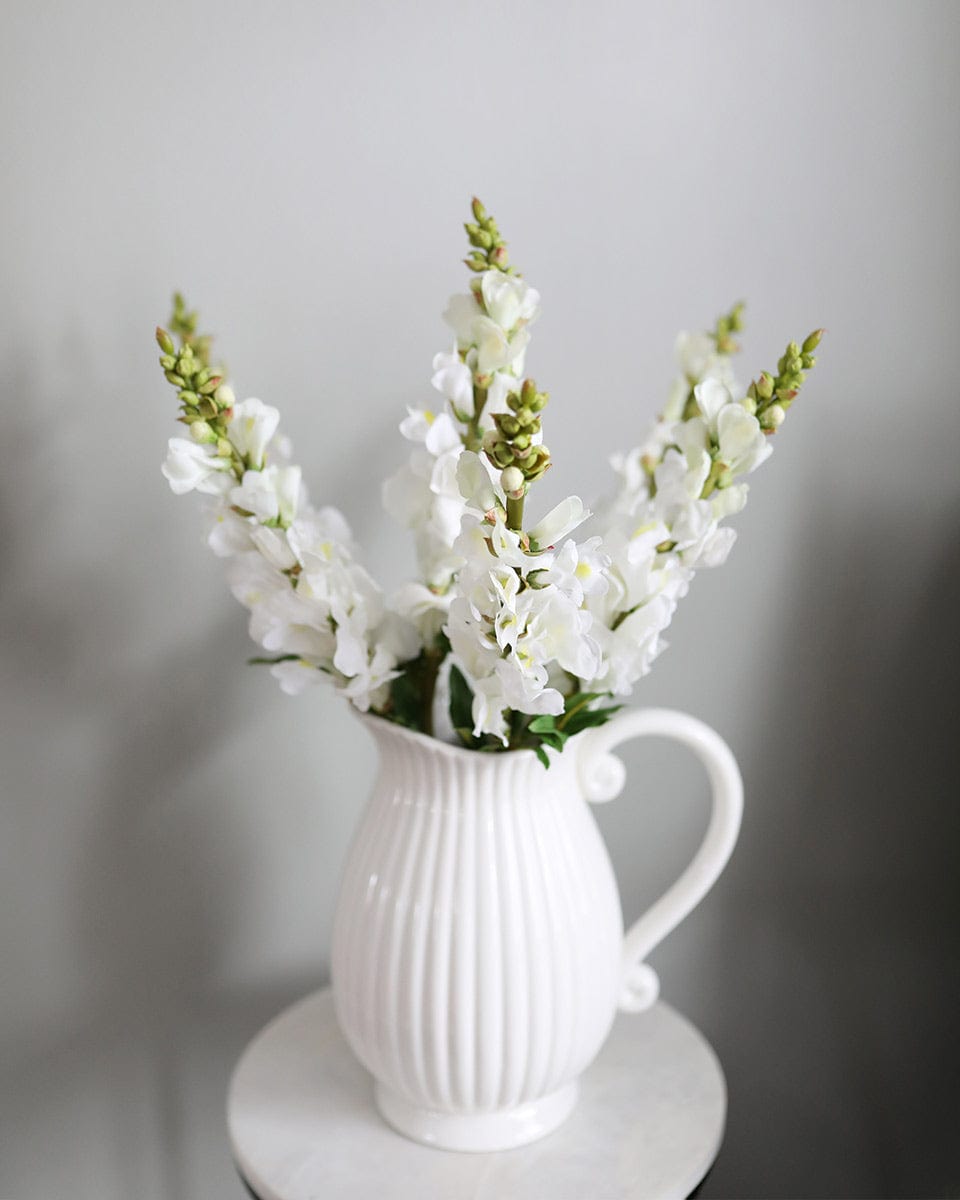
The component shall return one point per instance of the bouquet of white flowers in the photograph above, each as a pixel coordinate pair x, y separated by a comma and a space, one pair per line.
512, 635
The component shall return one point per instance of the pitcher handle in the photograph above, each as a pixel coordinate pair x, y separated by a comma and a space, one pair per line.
602, 776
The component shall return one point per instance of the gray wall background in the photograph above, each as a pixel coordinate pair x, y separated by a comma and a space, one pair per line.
172, 826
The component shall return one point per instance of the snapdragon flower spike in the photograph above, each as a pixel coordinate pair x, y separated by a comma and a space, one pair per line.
489, 249
312, 607
490, 324
676, 489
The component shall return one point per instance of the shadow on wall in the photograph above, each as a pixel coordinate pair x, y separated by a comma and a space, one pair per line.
123, 889
840, 971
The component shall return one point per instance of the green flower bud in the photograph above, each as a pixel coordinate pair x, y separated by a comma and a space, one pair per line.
175, 379
224, 448
764, 386
479, 212
167, 362
187, 397
538, 469
525, 416
509, 425
165, 341
207, 407
750, 404
813, 341
209, 387
479, 237
521, 441
224, 396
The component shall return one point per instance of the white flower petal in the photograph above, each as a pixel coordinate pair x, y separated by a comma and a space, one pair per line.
559, 521
251, 427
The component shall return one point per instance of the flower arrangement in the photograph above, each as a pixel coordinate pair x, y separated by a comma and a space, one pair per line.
513, 635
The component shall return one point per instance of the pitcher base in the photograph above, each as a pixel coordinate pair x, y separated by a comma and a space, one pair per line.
479, 1132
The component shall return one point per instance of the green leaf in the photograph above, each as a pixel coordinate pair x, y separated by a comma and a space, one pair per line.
542, 755
554, 738
406, 701
589, 718
543, 724
576, 702
461, 703
256, 662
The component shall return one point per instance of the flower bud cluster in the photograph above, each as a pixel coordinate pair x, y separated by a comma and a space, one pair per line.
727, 325
676, 490
206, 401
513, 444
770, 396
489, 248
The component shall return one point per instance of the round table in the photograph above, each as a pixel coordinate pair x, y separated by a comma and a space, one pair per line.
303, 1124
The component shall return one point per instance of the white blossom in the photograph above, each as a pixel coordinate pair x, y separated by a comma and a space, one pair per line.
453, 379
191, 467
509, 300
460, 313
296, 676
743, 446
495, 348
699, 358
229, 532
559, 521
251, 427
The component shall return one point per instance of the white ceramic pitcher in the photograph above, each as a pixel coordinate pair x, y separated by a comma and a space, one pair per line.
478, 947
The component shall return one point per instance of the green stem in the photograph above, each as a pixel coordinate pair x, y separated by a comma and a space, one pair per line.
474, 439
515, 514
569, 712
622, 616
710, 483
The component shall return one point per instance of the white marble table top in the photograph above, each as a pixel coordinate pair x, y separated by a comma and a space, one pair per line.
303, 1125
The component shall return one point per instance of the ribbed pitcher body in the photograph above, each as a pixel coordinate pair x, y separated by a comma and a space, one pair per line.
477, 941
